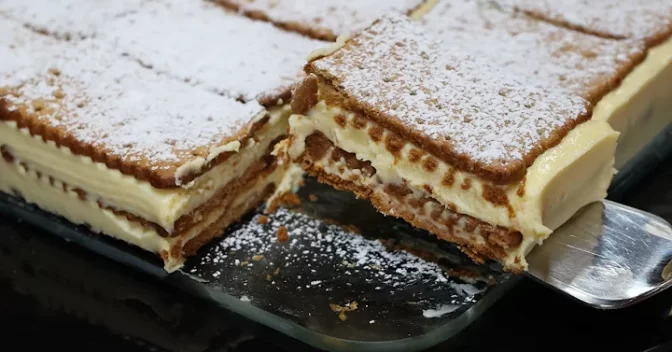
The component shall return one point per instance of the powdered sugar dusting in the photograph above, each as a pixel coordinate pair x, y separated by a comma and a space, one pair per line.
314, 242
462, 101
207, 46
92, 96
638, 19
334, 17
583, 63
22, 52
68, 18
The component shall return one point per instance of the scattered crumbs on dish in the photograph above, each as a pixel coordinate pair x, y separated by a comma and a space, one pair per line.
245, 299
323, 256
314, 243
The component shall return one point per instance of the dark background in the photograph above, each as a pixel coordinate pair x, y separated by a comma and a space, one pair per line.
57, 295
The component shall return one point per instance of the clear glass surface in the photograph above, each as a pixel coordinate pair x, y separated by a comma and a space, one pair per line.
347, 278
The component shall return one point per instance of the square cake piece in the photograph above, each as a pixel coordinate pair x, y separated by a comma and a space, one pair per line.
323, 19
103, 141
448, 140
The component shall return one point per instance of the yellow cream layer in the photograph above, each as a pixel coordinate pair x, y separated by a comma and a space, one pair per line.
66, 203
574, 173
642, 105
124, 192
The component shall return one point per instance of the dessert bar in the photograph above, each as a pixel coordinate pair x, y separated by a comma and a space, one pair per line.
453, 142
642, 105
103, 141
325, 19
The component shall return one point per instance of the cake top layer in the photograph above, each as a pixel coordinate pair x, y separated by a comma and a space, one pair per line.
115, 111
205, 45
463, 108
323, 19
68, 18
589, 65
650, 20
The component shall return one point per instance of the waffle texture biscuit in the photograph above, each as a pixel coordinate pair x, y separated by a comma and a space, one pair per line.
324, 20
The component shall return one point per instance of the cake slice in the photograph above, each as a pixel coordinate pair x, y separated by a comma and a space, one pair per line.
325, 19
641, 106
102, 141
448, 140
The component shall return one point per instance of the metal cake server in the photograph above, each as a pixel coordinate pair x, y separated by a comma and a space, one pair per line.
607, 256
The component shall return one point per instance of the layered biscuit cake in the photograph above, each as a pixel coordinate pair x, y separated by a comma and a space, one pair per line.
323, 19
148, 136
449, 140
642, 105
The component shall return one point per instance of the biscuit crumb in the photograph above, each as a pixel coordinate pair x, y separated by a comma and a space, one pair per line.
341, 310
287, 200
283, 234
262, 220
258, 257
312, 197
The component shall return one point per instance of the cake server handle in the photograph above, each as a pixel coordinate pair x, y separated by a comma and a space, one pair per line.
607, 256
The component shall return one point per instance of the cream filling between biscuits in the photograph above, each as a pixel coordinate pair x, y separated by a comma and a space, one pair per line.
53, 198
642, 105
562, 180
124, 192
